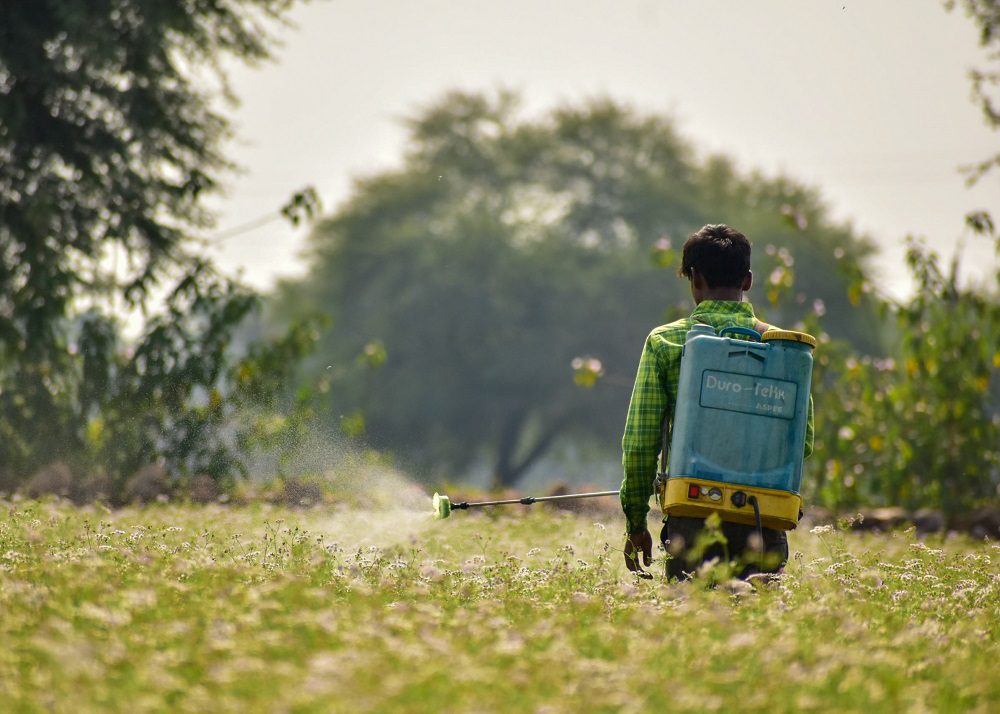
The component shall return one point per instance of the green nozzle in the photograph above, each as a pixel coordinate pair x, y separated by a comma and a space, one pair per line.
442, 506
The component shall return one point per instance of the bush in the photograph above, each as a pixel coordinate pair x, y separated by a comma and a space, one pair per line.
920, 427
180, 398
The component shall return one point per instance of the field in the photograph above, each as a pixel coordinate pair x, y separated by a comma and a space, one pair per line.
208, 608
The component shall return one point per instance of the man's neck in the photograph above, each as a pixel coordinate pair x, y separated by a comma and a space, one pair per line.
733, 295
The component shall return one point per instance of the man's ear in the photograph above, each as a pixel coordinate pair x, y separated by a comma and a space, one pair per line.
747, 282
697, 282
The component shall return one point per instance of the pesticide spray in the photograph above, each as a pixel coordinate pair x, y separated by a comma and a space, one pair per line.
375, 504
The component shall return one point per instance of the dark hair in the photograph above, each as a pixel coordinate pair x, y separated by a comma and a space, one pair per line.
719, 253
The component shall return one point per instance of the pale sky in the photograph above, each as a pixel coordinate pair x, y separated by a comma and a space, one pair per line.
866, 101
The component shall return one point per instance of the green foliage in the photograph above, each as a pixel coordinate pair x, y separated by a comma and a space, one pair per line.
985, 81
110, 137
303, 206
161, 399
920, 428
235, 610
108, 141
177, 395
508, 257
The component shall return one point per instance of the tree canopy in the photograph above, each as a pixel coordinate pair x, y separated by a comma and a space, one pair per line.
511, 260
109, 136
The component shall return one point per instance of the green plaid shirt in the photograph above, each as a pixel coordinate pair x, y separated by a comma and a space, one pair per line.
653, 399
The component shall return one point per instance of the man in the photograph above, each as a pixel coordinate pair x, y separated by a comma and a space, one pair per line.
716, 261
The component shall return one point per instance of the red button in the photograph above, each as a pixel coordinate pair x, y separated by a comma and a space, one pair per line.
694, 491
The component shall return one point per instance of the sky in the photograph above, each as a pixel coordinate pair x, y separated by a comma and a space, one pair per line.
868, 102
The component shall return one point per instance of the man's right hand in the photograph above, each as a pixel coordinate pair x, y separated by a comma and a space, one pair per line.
634, 544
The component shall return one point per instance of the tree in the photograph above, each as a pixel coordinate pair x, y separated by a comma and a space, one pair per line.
985, 82
109, 139
509, 262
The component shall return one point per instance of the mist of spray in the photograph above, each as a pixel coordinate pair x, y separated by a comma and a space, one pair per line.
376, 504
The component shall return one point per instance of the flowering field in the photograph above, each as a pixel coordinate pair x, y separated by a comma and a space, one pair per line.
185, 608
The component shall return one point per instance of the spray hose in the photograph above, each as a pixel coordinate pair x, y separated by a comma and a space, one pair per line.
443, 505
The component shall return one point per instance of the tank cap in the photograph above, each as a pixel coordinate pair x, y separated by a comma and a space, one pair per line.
789, 335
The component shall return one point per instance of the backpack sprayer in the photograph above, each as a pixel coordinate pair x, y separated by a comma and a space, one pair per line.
738, 433
443, 505
739, 427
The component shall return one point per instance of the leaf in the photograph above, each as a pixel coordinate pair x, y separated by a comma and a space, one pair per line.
980, 222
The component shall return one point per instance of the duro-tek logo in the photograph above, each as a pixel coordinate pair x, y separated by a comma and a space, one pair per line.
748, 394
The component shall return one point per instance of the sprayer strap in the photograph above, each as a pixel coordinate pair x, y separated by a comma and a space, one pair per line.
758, 326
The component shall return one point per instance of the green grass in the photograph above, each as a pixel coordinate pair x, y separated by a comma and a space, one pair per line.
183, 608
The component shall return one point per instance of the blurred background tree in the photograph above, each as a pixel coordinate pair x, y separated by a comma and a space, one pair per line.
110, 137
506, 248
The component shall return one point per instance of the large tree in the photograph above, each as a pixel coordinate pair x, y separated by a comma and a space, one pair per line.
505, 248
110, 135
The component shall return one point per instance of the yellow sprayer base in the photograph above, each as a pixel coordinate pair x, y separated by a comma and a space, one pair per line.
700, 498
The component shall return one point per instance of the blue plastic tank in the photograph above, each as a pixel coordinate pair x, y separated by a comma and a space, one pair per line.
742, 408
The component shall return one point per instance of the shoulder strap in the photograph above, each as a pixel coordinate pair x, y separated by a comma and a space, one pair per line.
759, 326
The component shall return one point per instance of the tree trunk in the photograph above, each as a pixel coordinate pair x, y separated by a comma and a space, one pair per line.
510, 468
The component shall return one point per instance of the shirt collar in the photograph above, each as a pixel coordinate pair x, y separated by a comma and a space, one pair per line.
725, 307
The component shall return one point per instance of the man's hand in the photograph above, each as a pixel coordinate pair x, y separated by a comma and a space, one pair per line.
635, 543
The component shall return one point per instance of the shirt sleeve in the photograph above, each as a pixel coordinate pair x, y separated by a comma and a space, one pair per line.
643, 434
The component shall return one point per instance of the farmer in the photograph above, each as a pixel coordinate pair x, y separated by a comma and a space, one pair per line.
716, 262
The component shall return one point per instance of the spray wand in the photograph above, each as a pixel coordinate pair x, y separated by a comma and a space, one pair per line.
443, 505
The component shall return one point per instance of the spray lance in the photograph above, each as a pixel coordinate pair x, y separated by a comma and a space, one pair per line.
443, 505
